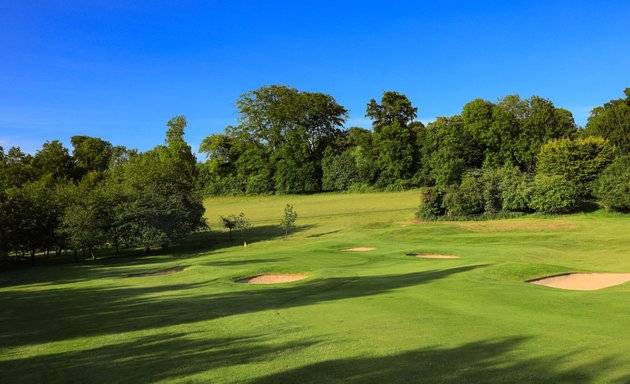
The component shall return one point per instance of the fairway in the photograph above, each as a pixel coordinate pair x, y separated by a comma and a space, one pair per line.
379, 316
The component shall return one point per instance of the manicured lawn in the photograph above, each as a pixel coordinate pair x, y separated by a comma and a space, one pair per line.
375, 317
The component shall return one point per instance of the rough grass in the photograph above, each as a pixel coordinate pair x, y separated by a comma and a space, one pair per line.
362, 317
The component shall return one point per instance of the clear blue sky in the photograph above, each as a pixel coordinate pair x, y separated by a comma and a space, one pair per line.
120, 69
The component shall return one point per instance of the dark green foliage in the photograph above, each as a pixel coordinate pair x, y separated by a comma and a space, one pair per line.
467, 199
612, 122
516, 189
53, 161
431, 204
579, 161
278, 145
395, 137
91, 154
340, 171
554, 194
613, 186
452, 150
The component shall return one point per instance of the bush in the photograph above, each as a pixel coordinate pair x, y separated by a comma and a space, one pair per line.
579, 161
613, 186
431, 206
554, 194
467, 199
516, 189
399, 185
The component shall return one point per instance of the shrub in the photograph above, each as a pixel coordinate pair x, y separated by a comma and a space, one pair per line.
613, 186
467, 199
554, 194
516, 189
580, 161
431, 206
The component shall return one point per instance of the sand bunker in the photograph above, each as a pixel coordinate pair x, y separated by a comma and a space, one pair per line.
271, 278
583, 281
432, 256
358, 249
167, 271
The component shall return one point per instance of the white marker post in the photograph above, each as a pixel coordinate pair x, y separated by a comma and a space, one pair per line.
245, 248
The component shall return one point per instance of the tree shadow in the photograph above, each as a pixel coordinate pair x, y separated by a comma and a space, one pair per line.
315, 235
200, 243
98, 311
492, 361
146, 359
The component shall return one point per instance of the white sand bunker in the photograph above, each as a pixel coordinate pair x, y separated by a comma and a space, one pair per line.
272, 278
432, 256
583, 281
358, 249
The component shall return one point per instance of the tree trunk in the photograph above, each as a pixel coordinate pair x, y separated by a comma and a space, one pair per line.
147, 249
92, 254
33, 256
116, 245
230, 233
76, 256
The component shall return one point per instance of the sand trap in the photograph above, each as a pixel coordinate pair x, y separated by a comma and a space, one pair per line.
583, 281
358, 249
271, 278
432, 256
167, 271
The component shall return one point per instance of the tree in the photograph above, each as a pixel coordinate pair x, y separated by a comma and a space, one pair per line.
612, 122
162, 204
579, 161
229, 223
394, 136
242, 224
613, 186
91, 154
288, 220
53, 161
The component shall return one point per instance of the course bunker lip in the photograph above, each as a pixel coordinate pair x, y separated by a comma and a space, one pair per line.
432, 256
583, 281
358, 249
272, 278
167, 271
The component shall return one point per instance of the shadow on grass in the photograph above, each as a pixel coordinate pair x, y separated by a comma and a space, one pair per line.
77, 312
494, 361
178, 356
144, 360
105, 266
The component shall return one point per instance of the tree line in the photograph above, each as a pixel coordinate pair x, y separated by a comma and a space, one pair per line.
289, 141
513, 155
99, 196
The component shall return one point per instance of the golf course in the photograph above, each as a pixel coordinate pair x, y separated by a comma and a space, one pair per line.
185, 315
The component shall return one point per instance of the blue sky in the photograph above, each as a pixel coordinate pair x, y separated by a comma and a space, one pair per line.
120, 69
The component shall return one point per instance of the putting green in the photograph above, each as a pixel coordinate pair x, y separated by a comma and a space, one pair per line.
361, 317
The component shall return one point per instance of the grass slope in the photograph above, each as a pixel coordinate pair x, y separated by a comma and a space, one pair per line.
372, 317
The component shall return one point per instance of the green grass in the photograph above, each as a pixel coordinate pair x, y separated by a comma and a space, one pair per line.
373, 317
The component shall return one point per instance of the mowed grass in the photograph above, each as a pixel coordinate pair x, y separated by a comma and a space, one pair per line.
371, 317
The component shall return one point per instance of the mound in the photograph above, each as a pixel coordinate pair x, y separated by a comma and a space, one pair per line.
358, 249
432, 256
167, 271
583, 281
271, 278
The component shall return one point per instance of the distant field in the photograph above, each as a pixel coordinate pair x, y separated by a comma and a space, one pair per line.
361, 317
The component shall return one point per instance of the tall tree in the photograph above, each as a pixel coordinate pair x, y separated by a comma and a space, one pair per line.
54, 161
612, 122
91, 154
394, 136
